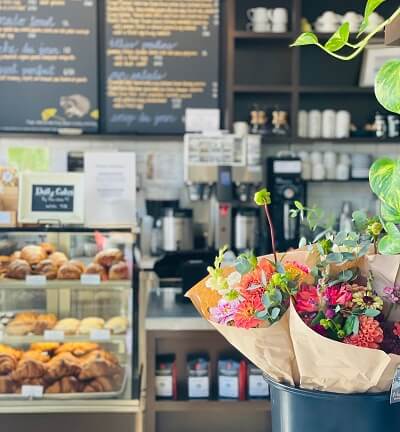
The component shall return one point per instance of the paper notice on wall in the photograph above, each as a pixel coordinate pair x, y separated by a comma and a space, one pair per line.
202, 120
110, 186
29, 158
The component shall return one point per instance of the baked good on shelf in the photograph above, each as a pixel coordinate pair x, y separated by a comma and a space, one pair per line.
5, 349
58, 258
98, 364
109, 257
38, 381
95, 268
48, 347
16, 255
78, 348
8, 363
7, 385
44, 322
41, 356
68, 384
28, 368
89, 324
48, 248
69, 272
69, 326
63, 364
119, 271
78, 264
33, 254
99, 385
117, 325
26, 316
47, 268
20, 328
18, 269
4, 263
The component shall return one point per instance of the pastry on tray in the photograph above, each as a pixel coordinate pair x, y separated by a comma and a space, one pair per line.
44, 322
18, 269
40, 356
109, 257
78, 348
67, 384
48, 347
78, 264
20, 328
8, 363
69, 326
98, 364
117, 325
95, 268
7, 385
48, 248
119, 271
58, 258
29, 368
99, 385
63, 364
89, 324
69, 271
16, 255
47, 268
33, 254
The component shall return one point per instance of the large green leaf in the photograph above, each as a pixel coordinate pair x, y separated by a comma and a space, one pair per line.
387, 86
389, 214
390, 243
384, 178
307, 38
370, 8
339, 39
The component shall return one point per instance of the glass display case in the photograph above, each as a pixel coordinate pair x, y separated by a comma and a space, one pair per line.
68, 318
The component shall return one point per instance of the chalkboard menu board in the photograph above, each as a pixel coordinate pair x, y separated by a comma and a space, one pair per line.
52, 198
48, 65
161, 58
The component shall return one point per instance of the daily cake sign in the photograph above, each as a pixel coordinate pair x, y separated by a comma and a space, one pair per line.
53, 198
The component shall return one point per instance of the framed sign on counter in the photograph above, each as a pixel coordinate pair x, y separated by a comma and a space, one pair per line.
51, 197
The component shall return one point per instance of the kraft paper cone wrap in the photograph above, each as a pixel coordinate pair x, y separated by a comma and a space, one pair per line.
327, 365
269, 348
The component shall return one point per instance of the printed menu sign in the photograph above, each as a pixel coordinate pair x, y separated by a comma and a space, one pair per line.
161, 58
48, 73
52, 198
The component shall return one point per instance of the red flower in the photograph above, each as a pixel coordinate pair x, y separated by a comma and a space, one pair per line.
338, 295
370, 334
396, 329
245, 316
307, 299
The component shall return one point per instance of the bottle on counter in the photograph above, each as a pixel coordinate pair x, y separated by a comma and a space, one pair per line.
258, 387
380, 125
198, 369
232, 379
166, 381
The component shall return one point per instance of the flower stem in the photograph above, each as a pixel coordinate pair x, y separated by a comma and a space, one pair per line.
272, 231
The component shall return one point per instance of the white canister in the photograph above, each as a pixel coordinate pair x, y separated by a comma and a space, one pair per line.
316, 157
342, 171
241, 129
306, 170
330, 165
329, 123
343, 124
314, 124
318, 171
302, 124
344, 159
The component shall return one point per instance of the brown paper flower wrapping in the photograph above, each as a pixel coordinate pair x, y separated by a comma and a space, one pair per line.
269, 348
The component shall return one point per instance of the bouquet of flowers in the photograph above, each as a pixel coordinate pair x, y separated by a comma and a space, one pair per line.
311, 317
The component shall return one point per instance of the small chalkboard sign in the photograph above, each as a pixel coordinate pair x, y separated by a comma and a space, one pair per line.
51, 196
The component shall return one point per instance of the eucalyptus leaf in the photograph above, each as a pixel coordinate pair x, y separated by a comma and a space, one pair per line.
276, 297
356, 325
346, 276
339, 39
387, 86
350, 243
340, 238
372, 313
262, 314
349, 325
384, 178
275, 313
302, 242
347, 256
279, 268
266, 301
307, 38
370, 7
334, 258
364, 249
360, 219
242, 265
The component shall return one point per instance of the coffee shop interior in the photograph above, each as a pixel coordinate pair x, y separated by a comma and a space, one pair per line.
133, 137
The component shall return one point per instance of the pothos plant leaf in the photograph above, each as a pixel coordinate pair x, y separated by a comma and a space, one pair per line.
389, 214
390, 243
384, 179
339, 39
307, 38
387, 86
370, 8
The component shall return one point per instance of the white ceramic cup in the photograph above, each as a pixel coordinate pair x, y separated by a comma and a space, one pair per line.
316, 157
279, 27
343, 124
327, 22
344, 159
328, 123
302, 124
259, 27
318, 171
342, 171
373, 22
241, 129
259, 14
330, 165
354, 19
279, 15
314, 124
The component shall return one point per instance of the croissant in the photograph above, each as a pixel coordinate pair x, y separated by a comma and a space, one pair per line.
78, 264
58, 258
47, 268
8, 363
68, 384
44, 346
64, 364
5, 349
33, 254
108, 257
99, 385
28, 368
44, 322
119, 271
77, 348
48, 248
97, 364
18, 269
69, 272
7, 385
40, 356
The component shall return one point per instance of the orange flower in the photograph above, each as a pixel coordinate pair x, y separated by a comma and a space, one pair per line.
245, 316
370, 334
267, 267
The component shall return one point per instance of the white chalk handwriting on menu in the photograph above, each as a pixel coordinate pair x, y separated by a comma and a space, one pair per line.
159, 66
52, 198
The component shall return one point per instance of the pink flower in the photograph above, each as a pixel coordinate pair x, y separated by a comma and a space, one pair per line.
245, 316
224, 312
392, 294
307, 299
338, 295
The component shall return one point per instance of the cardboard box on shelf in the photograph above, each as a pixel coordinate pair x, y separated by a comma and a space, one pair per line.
9, 198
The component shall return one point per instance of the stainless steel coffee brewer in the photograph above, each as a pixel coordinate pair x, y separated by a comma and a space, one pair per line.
221, 173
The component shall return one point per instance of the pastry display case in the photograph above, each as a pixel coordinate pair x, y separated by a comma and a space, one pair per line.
68, 318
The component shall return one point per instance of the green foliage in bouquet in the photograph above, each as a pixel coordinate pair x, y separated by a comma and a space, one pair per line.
387, 82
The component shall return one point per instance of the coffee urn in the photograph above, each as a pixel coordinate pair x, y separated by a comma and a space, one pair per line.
246, 229
177, 230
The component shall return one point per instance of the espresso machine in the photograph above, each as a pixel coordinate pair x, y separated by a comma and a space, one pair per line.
286, 186
222, 172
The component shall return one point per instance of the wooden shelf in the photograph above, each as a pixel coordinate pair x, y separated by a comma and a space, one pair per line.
252, 35
250, 88
337, 181
213, 406
336, 89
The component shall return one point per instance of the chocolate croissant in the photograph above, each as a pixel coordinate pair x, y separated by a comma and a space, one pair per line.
99, 385
7, 385
68, 384
27, 369
62, 365
8, 363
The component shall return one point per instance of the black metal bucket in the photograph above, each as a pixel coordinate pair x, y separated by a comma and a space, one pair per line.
297, 410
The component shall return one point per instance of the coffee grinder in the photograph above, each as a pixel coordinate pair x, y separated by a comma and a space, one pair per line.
286, 186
